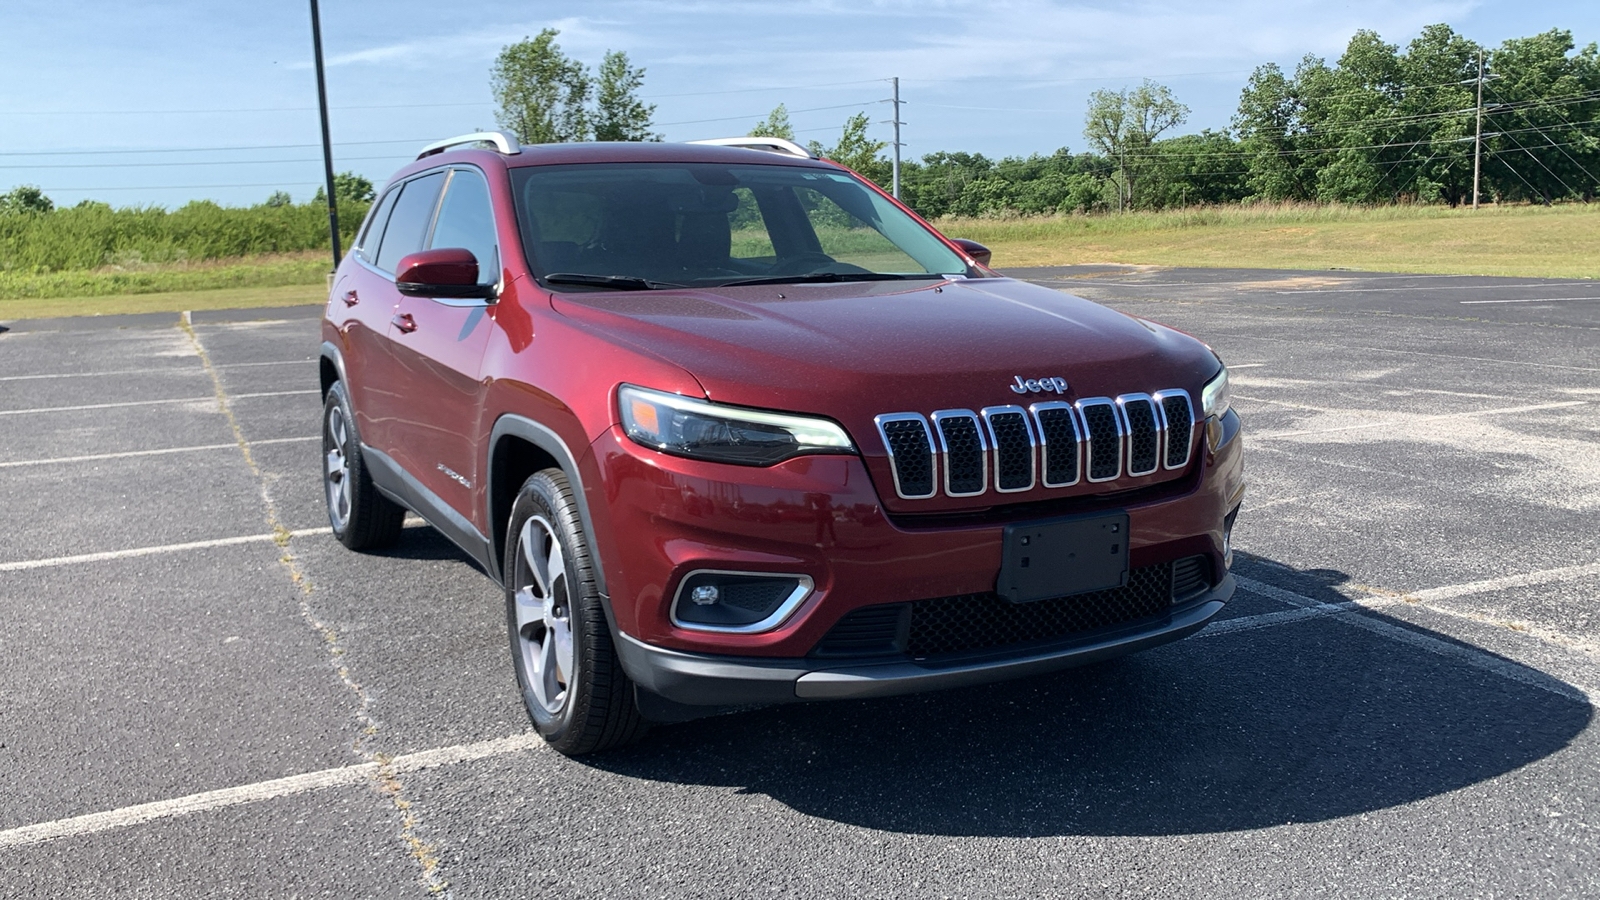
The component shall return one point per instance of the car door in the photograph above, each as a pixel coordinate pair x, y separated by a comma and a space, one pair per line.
362, 305
387, 398
437, 346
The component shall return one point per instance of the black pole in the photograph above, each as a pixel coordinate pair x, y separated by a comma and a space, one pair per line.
327, 145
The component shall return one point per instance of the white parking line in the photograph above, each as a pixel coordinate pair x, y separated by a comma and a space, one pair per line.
1531, 300
1429, 287
1568, 573
167, 370
23, 565
1349, 612
210, 399
265, 790
1504, 410
131, 453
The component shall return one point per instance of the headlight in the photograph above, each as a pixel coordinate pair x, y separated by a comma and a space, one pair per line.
700, 429
1214, 396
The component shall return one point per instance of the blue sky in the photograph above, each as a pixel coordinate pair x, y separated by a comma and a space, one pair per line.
176, 81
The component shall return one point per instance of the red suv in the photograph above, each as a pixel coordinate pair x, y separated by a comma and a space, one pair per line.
732, 426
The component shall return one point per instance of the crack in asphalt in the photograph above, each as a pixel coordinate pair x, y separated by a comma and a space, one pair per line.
385, 777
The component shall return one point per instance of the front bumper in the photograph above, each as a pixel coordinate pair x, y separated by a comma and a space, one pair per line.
701, 680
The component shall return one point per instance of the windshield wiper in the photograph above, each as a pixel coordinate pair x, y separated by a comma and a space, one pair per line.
823, 278
615, 282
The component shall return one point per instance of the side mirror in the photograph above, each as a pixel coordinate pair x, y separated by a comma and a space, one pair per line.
974, 249
445, 272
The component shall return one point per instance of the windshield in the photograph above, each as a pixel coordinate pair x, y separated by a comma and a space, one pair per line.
653, 225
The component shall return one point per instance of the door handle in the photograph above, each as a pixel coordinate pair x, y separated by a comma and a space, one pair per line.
404, 322
350, 298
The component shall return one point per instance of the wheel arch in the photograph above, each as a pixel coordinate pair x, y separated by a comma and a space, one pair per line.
519, 447
332, 366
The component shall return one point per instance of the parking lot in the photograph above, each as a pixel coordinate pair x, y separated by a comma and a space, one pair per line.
204, 694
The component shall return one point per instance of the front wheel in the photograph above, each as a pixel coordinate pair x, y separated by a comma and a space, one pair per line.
571, 681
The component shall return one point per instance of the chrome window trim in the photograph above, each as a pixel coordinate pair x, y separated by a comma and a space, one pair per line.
801, 591
944, 415
888, 449
1078, 432
988, 413
1088, 437
1158, 421
1194, 426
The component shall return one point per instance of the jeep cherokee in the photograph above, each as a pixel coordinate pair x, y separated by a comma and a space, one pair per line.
732, 426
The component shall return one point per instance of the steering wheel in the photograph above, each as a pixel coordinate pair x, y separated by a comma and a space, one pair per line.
802, 264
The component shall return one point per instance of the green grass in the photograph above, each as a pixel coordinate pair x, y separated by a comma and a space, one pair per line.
278, 270
230, 298
1528, 241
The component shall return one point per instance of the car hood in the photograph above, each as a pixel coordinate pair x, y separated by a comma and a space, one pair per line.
852, 351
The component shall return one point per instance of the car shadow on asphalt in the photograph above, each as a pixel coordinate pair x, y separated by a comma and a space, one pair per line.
424, 542
1307, 721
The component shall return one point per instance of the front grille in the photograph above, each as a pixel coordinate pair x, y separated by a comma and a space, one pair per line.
1057, 443
942, 626
1013, 447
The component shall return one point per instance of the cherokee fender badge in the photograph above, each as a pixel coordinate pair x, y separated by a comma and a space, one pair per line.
1036, 385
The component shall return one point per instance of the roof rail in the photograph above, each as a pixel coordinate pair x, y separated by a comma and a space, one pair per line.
502, 142
768, 144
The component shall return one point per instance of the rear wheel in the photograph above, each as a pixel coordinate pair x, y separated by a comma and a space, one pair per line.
362, 518
571, 681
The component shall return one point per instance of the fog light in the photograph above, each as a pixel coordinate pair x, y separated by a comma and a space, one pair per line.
737, 602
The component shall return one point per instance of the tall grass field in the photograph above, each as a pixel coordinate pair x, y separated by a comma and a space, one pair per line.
95, 259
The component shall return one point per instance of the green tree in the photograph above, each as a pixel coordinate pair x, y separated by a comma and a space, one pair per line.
25, 199
282, 198
348, 188
858, 152
1541, 105
619, 113
776, 124
1123, 124
542, 95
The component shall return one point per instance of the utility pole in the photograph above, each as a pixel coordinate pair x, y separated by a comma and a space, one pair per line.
1477, 139
897, 124
327, 145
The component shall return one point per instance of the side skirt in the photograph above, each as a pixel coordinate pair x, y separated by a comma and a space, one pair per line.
398, 485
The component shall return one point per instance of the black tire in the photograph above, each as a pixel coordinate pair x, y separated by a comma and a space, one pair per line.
578, 697
362, 518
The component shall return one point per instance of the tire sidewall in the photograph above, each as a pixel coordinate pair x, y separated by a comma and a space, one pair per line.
541, 496
339, 399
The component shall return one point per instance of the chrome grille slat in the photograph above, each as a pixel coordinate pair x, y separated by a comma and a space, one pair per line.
1011, 436
910, 445
964, 451
1143, 429
1103, 428
1060, 440
1178, 412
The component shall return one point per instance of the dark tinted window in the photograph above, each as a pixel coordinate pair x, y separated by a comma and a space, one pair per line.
466, 219
373, 236
408, 224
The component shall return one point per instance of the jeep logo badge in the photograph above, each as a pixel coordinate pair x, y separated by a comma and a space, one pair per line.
1035, 385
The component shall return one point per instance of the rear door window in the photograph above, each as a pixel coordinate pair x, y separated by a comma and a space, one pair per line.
408, 223
373, 236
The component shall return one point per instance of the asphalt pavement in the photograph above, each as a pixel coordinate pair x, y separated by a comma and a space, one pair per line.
205, 695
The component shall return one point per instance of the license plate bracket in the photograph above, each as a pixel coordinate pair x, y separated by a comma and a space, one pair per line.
1061, 557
